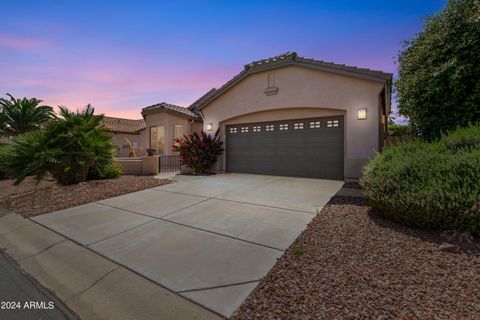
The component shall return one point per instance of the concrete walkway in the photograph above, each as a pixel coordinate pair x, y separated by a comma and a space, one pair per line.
209, 239
92, 286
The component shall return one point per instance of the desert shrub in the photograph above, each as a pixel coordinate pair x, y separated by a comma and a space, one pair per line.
71, 147
104, 170
429, 185
199, 151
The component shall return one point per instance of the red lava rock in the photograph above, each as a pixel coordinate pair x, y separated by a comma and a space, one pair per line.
31, 198
357, 265
448, 247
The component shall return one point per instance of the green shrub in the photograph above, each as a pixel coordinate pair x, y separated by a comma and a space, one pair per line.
3, 174
199, 151
429, 185
396, 130
71, 148
103, 170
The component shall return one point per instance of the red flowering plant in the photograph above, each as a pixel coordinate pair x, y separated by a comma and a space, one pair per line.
198, 151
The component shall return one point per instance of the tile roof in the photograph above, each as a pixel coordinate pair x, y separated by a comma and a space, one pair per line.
203, 98
163, 106
291, 58
123, 125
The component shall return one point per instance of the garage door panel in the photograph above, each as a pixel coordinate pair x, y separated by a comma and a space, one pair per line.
300, 148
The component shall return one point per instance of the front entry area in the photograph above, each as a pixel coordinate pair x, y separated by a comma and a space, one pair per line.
309, 148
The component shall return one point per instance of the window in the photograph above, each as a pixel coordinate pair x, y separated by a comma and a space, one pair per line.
244, 129
257, 128
283, 126
332, 123
178, 131
298, 126
233, 130
157, 139
314, 124
269, 127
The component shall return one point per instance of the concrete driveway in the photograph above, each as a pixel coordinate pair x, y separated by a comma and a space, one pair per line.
210, 239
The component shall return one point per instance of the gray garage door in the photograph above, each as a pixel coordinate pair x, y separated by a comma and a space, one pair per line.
311, 148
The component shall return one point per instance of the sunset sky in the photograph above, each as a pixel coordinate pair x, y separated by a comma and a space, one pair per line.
121, 56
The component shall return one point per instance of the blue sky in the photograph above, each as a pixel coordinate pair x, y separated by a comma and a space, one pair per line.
124, 55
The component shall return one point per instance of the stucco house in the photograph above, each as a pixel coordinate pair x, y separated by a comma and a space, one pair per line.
286, 115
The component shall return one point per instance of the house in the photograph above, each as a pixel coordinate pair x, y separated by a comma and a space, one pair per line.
285, 115
125, 132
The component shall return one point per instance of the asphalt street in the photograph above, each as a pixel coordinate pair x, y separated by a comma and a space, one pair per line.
22, 298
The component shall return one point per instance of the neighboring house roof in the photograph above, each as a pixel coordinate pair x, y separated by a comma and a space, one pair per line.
121, 125
181, 111
287, 59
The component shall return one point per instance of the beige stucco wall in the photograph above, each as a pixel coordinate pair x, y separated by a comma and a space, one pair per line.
130, 166
168, 120
123, 149
304, 93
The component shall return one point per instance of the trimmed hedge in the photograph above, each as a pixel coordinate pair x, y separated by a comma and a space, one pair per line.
429, 185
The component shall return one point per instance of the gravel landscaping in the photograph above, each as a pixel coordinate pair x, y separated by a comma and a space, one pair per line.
31, 198
351, 264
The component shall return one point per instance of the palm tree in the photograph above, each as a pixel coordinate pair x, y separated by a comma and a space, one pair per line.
73, 147
20, 116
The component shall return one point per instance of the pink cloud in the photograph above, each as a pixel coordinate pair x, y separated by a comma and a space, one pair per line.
22, 43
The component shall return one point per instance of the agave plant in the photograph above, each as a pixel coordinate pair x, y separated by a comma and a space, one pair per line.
18, 116
71, 148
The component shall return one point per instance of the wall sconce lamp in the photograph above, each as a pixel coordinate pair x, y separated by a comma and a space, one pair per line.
209, 126
362, 114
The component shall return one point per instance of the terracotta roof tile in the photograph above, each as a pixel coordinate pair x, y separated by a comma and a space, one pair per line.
163, 106
123, 125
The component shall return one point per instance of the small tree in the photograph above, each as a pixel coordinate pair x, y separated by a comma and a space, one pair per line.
438, 85
199, 151
18, 116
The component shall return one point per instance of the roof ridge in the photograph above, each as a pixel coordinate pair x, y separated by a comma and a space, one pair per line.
170, 107
292, 58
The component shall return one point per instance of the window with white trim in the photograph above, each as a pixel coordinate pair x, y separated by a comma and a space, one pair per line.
244, 129
283, 126
332, 123
314, 124
233, 130
298, 126
269, 127
257, 128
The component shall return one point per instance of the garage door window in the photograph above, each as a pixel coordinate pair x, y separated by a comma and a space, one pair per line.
332, 123
298, 126
233, 130
257, 128
314, 124
244, 129
283, 126
269, 127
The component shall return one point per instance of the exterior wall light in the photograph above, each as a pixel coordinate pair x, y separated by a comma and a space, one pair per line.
209, 126
362, 114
